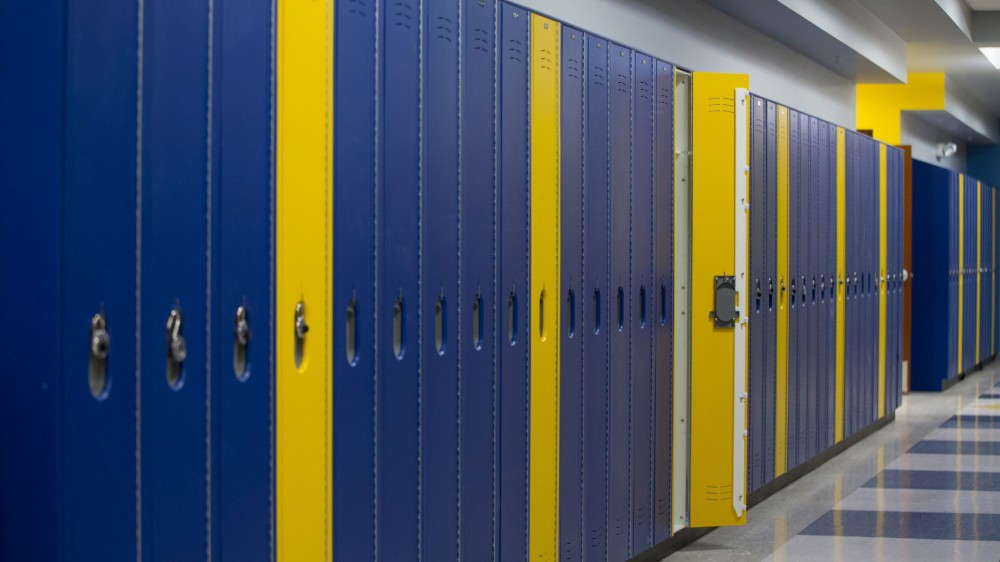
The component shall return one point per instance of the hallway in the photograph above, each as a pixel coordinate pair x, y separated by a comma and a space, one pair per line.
924, 488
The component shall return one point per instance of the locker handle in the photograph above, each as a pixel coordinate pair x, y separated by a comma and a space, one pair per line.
477, 322
397, 328
512, 318
597, 311
351, 332
439, 325
100, 347
176, 350
301, 329
241, 340
571, 309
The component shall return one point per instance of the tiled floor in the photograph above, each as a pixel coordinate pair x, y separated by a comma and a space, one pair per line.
924, 488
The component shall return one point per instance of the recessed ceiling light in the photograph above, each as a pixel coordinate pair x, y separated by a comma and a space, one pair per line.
993, 54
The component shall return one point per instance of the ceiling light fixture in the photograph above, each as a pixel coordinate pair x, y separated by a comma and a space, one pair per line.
993, 55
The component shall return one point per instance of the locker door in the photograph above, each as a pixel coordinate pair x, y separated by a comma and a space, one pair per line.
771, 289
439, 298
479, 316
399, 196
303, 262
175, 378
621, 327
882, 273
355, 297
98, 289
822, 271
841, 282
543, 453
833, 268
572, 113
663, 271
805, 349
598, 298
782, 367
243, 448
718, 345
815, 251
758, 289
795, 327
640, 402
512, 293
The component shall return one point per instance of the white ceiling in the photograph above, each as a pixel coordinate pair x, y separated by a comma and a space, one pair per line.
983, 5
936, 43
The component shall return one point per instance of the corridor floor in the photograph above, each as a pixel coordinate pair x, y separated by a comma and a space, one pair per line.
924, 488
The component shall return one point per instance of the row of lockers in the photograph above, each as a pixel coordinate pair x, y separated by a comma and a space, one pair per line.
826, 274
456, 342
955, 275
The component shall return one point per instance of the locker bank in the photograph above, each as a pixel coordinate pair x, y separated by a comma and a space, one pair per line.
431, 280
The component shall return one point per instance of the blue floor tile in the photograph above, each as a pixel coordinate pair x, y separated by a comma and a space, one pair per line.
972, 421
894, 524
957, 448
934, 480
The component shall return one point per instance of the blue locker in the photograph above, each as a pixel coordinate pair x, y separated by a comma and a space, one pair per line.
771, 271
757, 308
621, 328
477, 323
663, 271
597, 309
813, 351
573, 107
355, 199
399, 220
641, 345
98, 288
872, 251
242, 453
175, 193
822, 207
954, 314
513, 303
832, 283
795, 300
804, 348
439, 392
852, 355
32, 52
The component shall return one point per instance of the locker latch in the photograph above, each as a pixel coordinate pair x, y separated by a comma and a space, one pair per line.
100, 346
100, 340
176, 349
241, 338
725, 313
301, 328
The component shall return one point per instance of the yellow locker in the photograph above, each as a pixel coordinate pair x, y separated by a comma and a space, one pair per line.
304, 258
543, 513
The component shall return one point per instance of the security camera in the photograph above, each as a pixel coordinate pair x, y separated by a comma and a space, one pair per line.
946, 150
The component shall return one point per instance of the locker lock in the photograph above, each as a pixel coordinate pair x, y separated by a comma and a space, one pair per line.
176, 349
781, 284
100, 340
770, 286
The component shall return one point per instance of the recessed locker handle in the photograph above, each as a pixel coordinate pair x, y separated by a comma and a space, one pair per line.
100, 348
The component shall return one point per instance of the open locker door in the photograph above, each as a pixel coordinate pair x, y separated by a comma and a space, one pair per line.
719, 293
